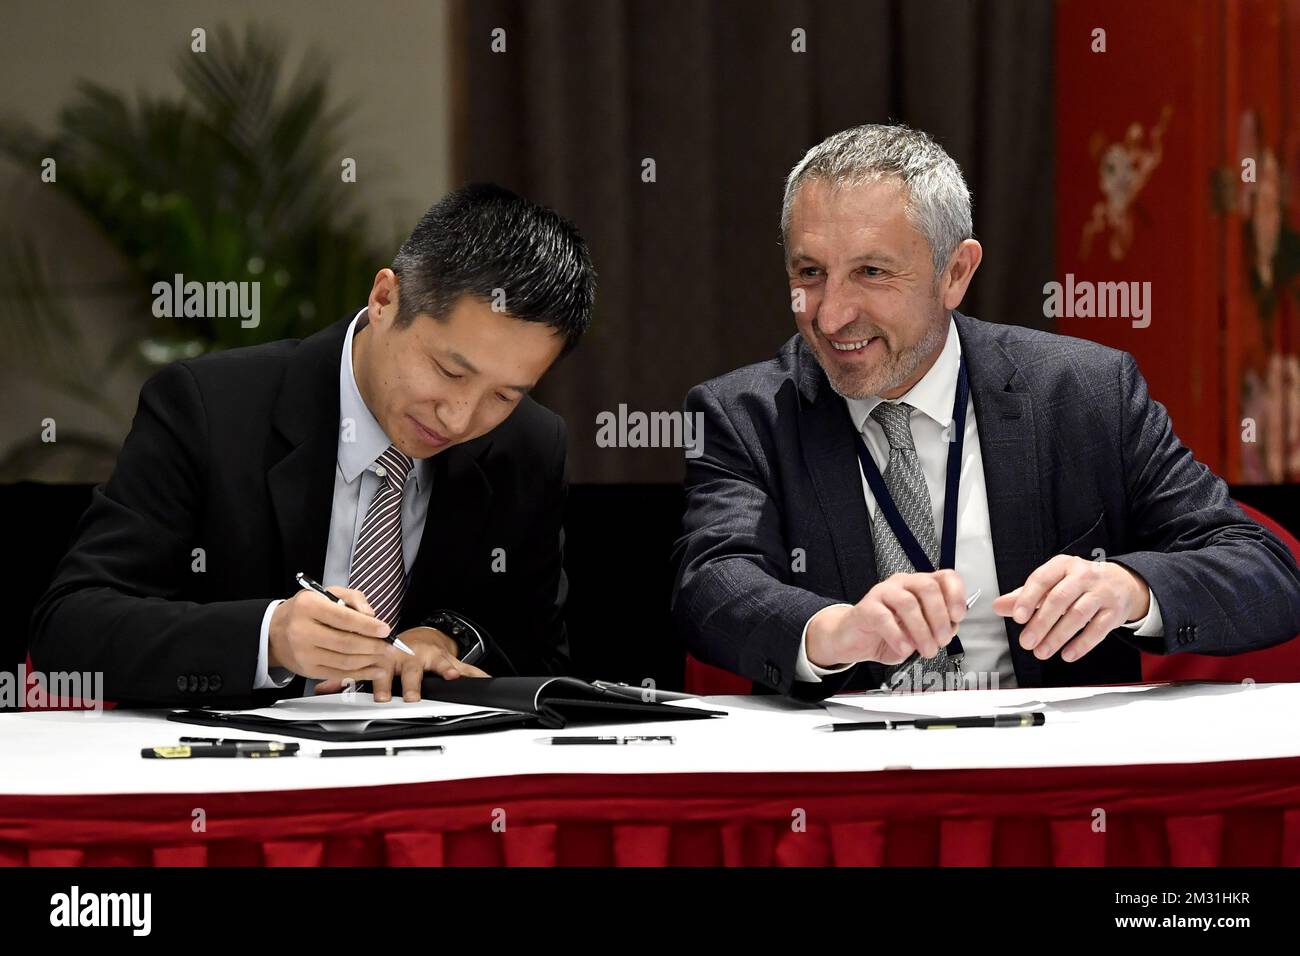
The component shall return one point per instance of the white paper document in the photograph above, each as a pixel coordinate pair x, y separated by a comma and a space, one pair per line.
360, 707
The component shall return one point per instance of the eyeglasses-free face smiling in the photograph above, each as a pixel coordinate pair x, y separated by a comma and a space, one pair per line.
872, 312
434, 383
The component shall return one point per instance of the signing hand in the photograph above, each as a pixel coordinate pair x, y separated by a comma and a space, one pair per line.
1070, 604
313, 636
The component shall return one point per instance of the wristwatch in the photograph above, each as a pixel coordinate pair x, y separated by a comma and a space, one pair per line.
471, 640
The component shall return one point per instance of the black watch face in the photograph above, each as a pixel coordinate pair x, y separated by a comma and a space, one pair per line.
460, 633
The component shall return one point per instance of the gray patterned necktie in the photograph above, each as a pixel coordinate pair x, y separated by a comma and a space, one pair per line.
906, 484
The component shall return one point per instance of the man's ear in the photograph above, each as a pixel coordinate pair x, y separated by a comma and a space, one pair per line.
382, 305
961, 269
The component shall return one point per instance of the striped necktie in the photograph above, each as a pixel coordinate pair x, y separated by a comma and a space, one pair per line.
377, 567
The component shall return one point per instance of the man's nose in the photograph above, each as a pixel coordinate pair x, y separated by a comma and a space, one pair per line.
454, 418
837, 308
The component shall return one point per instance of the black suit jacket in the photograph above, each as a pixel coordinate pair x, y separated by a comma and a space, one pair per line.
1077, 456
235, 453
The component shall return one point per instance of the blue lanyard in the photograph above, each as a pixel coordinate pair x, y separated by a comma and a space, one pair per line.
952, 479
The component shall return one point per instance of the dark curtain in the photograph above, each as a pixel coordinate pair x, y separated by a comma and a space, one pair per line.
691, 279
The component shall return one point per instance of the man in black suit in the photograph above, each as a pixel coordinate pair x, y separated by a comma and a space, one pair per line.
394, 456
813, 558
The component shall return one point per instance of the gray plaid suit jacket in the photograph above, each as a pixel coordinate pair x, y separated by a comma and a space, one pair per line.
1077, 456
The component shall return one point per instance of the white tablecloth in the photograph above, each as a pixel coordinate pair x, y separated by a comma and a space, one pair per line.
66, 752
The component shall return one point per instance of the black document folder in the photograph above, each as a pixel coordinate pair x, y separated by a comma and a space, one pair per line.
508, 702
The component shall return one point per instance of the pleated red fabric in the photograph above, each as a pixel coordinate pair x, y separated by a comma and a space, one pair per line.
1240, 813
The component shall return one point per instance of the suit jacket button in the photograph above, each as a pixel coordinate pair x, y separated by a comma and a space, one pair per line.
194, 683
203, 683
214, 683
182, 684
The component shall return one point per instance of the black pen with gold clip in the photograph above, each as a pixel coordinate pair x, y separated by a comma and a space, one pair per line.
262, 748
1033, 719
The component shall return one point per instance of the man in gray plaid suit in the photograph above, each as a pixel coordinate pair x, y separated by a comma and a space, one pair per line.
899, 461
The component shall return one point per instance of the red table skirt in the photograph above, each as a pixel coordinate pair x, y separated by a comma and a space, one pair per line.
1233, 814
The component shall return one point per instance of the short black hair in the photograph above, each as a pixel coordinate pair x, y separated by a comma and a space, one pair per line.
483, 237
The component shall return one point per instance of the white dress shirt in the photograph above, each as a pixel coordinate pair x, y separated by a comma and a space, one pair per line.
983, 633
361, 441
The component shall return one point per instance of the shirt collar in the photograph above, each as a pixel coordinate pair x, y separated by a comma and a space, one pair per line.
933, 394
369, 439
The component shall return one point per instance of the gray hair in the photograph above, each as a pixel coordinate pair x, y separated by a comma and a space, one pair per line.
938, 201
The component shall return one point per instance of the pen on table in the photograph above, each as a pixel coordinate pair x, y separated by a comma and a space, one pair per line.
373, 751
276, 749
263, 748
222, 740
605, 741
307, 584
1034, 719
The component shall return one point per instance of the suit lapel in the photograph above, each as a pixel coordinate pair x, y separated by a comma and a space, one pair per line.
827, 440
1004, 416
301, 482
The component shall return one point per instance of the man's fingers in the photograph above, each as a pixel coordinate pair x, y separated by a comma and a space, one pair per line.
343, 618
929, 594
355, 599
1070, 623
382, 686
346, 642
1005, 604
891, 654
445, 666
1036, 587
1092, 635
907, 608
1050, 610
954, 593
469, 670
412, 675
877, 635
348, 663
330, 675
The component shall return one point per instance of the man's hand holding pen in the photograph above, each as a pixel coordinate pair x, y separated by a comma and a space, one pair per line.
341, 644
